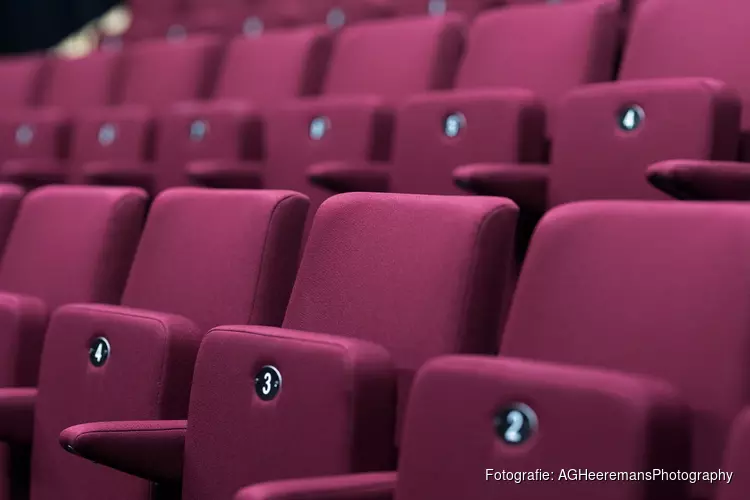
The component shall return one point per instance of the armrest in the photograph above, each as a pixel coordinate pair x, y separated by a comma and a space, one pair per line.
350, 127
122, 133
214, 130
23, 321
35, 171
597, 155
17, 415
526, 185
701, 180
351, 406
151, 450
372, 486
229, 174
546, 416
35, 133
518, 118
343, 176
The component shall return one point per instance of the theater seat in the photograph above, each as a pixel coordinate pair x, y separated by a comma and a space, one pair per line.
363, 317
520, 61
68, 244
206, 257
676, 100
373, 68
44, 133
597, 369
198, 140
157, 74
463, 408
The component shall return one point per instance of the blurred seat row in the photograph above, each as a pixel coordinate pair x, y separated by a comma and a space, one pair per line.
176, 19
615, 356
418, 105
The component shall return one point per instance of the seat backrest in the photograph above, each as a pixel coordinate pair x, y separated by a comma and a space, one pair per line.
548, 49
671, 38
73, 244
160, 73
213, 256
395, 58
20, 81
82, 82
359, 276
626, 286
276, 66
153, 19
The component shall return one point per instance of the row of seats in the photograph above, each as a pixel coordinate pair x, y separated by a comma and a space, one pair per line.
175, 19
368, 111
598, 366
262, 125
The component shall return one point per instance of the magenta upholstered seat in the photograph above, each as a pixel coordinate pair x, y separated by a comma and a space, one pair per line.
518, 64
374, 67
68, 244
156, 75
617, 357
677, 98
386, 282
207, 257
152, 19
20, 81
220, 142
44, 133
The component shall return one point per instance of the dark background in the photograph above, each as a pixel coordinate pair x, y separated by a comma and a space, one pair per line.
31, 25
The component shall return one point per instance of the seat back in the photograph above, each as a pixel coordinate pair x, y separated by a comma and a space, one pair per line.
395, 58
548, 49
274, 67
20, 81
604, 285
218, 257
160, 73
440, 303
73, 244
83, 82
